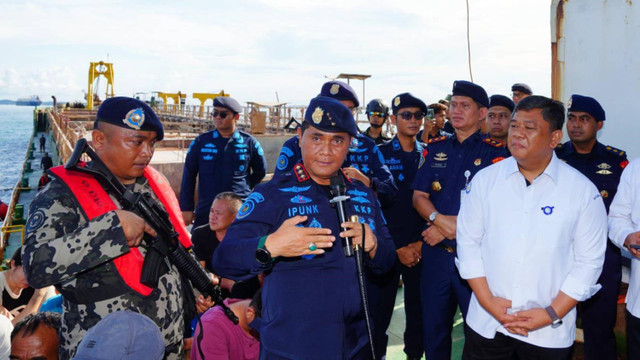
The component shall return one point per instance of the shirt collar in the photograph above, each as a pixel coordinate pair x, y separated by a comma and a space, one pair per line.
551, 170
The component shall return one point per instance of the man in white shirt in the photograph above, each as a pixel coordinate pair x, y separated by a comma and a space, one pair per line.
624, 231
531, 232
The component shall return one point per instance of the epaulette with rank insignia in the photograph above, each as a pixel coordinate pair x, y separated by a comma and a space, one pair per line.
301, 172
437, 139
493, 143
615, 151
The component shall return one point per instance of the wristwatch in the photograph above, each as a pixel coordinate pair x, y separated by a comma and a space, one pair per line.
555, 320
262, 254
433, 215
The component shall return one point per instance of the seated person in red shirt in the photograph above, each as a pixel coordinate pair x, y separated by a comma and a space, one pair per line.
218, 338
206, 239
18, 299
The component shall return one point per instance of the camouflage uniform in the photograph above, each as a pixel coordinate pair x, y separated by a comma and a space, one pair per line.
62, 248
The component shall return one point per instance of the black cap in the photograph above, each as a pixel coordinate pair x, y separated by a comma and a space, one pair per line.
586, 104
407, 100
228, 103
129, 113
522, 87
501, 100
340, 91
330, 115
474, 91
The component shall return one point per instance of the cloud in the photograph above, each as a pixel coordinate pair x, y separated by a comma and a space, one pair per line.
253, 48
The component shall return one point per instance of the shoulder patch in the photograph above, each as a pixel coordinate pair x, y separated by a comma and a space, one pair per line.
437, 139
612, 150
493, 143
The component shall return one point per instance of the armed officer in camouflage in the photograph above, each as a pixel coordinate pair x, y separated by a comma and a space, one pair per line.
79, 239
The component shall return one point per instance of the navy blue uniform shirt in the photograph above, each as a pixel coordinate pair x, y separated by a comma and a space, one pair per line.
449, 166
223, 164
603, 166
403, 221
364, 155
311, 307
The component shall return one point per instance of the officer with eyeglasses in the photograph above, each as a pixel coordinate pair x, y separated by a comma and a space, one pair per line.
364, 163
224, 159
440, 185
377, 113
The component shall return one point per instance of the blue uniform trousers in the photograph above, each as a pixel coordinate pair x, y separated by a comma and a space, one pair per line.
600, 311
442, 291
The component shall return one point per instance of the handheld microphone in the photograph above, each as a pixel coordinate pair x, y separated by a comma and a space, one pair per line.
338, 190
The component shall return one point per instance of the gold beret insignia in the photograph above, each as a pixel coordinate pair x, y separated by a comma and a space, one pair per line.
317, 115
334, 89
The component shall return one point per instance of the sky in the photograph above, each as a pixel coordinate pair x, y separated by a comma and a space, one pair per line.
255, 49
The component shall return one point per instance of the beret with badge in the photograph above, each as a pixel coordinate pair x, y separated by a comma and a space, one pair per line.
501, 100
330, 115
340, 91
407, 100
586, 104
228, 103
469, 89
129, 113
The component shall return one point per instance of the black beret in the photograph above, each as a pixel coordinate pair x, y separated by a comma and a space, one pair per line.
228, 103
522, 87
501, 100
340, 91
586, 104
406, 100
330, 115
474, 91
129, 113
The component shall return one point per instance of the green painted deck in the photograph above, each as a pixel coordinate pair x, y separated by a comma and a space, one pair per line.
396, 329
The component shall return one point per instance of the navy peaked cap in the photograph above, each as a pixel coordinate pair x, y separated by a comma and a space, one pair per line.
330, 115
501, 100
522, 87
129, 113
586, 104
340, 91
407, 100
228, 103
474, 91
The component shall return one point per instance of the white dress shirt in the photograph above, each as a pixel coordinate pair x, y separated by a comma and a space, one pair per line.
624, 219
531, 242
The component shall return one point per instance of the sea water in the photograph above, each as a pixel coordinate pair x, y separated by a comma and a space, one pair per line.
16, 127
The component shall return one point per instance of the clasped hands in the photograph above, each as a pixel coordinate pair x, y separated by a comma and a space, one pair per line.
520, 322
444, 226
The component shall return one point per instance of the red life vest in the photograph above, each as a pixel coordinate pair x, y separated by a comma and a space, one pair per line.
95, 201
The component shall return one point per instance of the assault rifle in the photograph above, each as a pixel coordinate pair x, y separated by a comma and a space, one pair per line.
166, 245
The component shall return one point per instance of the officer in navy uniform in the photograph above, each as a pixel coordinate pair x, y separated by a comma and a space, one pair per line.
603, 165
365, 161
442, 180
225, 159
499, 118
377, 114
402, 155
288, 229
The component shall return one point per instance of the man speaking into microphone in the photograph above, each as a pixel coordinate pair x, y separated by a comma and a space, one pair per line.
289, 229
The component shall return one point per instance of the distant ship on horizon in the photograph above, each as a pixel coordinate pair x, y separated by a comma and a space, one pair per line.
33, 100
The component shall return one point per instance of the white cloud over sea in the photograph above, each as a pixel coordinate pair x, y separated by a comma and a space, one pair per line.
255, 48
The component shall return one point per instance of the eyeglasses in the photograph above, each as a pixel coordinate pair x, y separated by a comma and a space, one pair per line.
222, 114
407, 115
377, 114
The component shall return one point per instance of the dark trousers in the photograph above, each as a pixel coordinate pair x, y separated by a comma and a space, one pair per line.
502, 347
600, 311
388, 288
633, 336
442, 290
